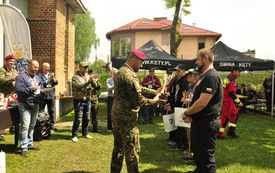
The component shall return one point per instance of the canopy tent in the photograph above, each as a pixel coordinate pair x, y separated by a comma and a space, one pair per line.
156, 57
226, 58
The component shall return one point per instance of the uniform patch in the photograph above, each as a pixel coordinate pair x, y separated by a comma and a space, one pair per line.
209, 89
235, 84
135, 76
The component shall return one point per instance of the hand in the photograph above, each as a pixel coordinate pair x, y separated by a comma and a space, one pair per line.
185, 101
35, 86
158, 100
240, 104
91, 77
158, 90
51, 77
188, 120
97, 79
167, 106
149, 82
47, 92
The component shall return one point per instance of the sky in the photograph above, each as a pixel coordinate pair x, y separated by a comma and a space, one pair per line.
246, 24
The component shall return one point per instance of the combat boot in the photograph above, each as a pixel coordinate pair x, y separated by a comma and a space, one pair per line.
231, 132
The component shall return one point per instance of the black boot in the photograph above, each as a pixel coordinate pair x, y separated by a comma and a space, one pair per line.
231, 132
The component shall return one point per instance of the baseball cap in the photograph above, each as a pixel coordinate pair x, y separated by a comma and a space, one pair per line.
83, 64
139, 54
91, 69
9, 57
192, 71
180, 67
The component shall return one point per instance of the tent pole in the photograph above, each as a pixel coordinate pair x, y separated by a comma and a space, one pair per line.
272, 95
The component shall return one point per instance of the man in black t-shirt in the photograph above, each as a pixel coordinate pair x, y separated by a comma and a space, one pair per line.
204, 112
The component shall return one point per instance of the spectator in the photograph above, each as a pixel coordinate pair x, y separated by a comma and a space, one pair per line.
268, 91
28, 92
110, 87
7, 80
95, 86
251, 93
242, 91
152, 82
81, 99
48, 80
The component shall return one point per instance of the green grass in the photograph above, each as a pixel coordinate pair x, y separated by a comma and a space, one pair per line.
253, 152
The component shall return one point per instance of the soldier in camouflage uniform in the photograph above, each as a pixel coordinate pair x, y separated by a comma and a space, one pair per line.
7, 80
129, 95
8, 76
94, 100
81, 83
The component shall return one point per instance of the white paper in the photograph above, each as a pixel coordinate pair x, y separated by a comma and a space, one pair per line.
178, 118
2, 162
46, 89
169, 122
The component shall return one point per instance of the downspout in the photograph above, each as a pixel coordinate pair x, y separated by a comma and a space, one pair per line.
7, 2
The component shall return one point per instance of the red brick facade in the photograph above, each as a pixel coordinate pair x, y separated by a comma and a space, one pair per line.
63, 38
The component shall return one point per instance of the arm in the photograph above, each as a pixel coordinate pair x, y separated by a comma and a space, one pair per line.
22, 87
78, 85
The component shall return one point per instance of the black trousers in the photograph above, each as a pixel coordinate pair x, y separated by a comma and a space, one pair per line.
203, 140
50, 104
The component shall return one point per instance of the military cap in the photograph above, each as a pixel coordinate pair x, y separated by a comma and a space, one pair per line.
91, 69
139, 54
83, 64
9, 57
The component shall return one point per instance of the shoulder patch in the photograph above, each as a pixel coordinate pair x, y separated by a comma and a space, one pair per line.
235, 84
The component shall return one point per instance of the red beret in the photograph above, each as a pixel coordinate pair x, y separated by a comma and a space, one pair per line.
9, 57
139, 54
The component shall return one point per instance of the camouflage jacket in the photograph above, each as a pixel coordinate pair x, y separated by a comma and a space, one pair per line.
95, 86
6, 81
129, 95
81, 86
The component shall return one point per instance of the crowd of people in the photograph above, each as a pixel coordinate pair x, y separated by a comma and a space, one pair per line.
211, 104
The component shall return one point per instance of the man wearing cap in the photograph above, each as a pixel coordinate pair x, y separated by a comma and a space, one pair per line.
180, 90
7, 79
81, 99
129, 95
95, 86
48, 81
8, 76
152, 82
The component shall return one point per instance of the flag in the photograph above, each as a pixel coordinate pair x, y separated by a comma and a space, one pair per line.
17, 36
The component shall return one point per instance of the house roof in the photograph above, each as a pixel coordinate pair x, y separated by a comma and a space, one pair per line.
163, 24
77, 6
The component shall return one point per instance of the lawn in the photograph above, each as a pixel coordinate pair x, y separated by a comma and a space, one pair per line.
253, 152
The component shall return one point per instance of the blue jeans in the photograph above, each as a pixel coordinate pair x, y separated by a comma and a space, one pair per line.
28, 120
81, 112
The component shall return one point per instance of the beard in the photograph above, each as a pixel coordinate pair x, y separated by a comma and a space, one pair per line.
200, 68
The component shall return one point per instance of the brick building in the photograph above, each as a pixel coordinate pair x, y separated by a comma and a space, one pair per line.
52, 27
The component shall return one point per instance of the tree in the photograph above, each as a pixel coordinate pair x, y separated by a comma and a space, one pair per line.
85, 36
175, 37
99, 65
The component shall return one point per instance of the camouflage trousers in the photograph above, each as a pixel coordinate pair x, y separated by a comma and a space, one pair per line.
126, 141
94, 112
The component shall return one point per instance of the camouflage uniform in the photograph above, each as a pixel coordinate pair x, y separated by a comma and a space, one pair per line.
81, 94
129, 96
6, 79
94, 104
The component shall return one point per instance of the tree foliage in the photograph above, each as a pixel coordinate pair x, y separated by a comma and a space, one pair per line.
180, 8
98, 64
85, 36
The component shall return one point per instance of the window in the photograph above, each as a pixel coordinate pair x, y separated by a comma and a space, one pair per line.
121, 46
201, 46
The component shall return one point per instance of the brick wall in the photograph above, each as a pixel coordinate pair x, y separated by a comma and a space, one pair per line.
63, 40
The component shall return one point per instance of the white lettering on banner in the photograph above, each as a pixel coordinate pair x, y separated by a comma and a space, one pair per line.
230, 64
155, 62
244, 64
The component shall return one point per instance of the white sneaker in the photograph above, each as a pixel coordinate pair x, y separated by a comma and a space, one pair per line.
88, 137
75, 139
